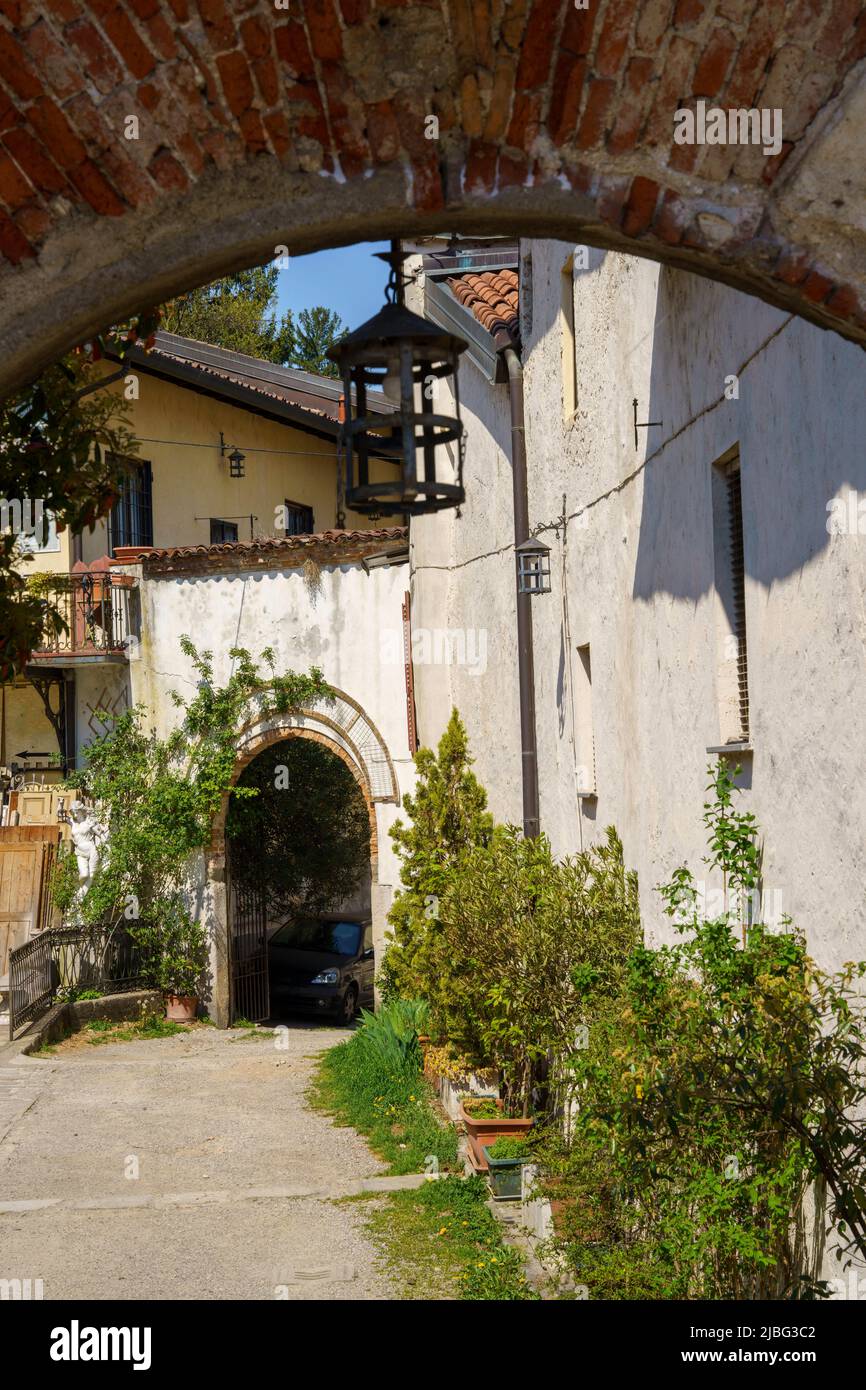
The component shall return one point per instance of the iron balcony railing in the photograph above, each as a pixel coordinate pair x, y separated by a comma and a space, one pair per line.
99, 615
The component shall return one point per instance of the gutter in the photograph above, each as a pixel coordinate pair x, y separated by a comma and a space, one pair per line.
525, 661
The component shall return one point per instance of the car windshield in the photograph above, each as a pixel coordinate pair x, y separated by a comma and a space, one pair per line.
341, 938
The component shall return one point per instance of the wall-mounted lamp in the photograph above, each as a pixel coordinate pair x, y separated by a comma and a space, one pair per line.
235, 458
533, 567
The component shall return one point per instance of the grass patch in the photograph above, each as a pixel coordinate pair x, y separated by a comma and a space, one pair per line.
395, 1112
104, 1030
443, 1242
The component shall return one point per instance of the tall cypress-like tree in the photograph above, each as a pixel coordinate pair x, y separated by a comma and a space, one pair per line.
236, 312
447, 816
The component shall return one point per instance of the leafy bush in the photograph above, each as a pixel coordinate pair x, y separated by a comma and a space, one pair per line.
507, 1148
726, 1078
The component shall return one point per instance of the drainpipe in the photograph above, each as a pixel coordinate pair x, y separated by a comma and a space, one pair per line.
525, 667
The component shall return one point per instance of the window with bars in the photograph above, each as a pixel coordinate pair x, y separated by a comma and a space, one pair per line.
730, 598
222, 532
130, 521
299, 519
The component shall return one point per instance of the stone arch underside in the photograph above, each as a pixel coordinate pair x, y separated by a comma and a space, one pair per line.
261, 126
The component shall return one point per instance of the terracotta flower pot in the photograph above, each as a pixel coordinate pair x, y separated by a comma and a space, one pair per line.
181, 1008
487, 1131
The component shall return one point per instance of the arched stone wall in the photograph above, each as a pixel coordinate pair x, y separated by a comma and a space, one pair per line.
257, 124
257, 736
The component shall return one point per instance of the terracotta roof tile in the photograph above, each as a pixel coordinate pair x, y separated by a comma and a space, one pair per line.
339, 539
492, 297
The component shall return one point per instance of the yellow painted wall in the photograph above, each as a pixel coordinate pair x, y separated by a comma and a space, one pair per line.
25, 726
179, 434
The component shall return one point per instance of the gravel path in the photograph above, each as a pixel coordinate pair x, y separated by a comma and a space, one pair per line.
235, 1174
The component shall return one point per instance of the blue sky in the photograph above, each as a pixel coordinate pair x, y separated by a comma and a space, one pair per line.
348, 279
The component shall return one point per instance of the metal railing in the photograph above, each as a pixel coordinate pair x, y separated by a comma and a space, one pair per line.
64, 962
99, 613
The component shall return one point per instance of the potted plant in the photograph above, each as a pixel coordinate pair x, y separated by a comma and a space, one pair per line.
486, 1120
181, 954
505, 1159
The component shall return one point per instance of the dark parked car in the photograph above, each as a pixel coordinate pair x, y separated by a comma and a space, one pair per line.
324, 965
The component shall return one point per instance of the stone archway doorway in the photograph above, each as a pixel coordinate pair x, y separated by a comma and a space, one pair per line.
241, 924
299, 883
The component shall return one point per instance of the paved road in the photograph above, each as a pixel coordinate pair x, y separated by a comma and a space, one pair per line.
235, 1175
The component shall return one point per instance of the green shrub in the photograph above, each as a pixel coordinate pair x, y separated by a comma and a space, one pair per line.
506, 1148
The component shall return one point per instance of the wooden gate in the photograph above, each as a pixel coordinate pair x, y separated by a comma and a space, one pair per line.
249, 953
26, 858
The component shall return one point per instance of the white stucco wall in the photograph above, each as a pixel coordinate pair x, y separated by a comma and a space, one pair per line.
638, 580
350, 626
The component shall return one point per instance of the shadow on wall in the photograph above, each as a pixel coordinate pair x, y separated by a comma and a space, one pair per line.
798, 421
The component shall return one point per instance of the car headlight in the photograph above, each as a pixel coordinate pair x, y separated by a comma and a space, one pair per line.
327, 977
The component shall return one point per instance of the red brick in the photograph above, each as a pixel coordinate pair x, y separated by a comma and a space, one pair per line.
688, 12
256, 38
536, 50
96, 189
64, 10
180, 9
525, 120
568, 79
480, 171
267, 81
501, 95
133, 50
837, 26
816, 287
592, 125
773, 166
672, 88
632, 106
100, 63
34, 221
513, 170
15, 189
792, 267
15, 69
56, 133
613, 40
670, 219
843, 302
236, 81
165, 170
383, 132
640, 207
278, 133
326, 39
149, 96
857, 47
161, 37
51, 58
612, 193
577, 30
427, 194
218, 24
30, 156
747, 76
13, 244
293, 50
714, 62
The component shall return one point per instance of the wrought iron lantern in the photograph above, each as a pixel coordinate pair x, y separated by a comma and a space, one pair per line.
407, 357
533, 567
235, 457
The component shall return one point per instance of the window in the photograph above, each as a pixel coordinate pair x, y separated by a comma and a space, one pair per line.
569, 358
298, 519
732, 669
130, 520
222, 532
584, 734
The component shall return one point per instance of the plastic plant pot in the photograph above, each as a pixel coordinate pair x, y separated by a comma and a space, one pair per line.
505, 1176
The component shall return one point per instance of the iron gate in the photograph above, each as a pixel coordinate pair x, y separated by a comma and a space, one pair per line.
32, 981
249, 954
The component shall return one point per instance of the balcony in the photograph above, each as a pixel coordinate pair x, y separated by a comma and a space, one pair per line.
100, 618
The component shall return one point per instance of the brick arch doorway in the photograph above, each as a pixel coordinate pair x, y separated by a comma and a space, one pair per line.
238, 919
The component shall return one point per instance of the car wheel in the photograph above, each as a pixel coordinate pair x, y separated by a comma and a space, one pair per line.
349, 1006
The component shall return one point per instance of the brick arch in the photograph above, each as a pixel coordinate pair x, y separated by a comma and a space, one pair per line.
306, 125
265, 738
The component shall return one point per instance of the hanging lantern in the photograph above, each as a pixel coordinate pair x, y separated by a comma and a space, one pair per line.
406, 357
235, 458
533, 567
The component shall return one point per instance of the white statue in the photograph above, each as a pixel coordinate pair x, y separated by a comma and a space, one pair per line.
87, 838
